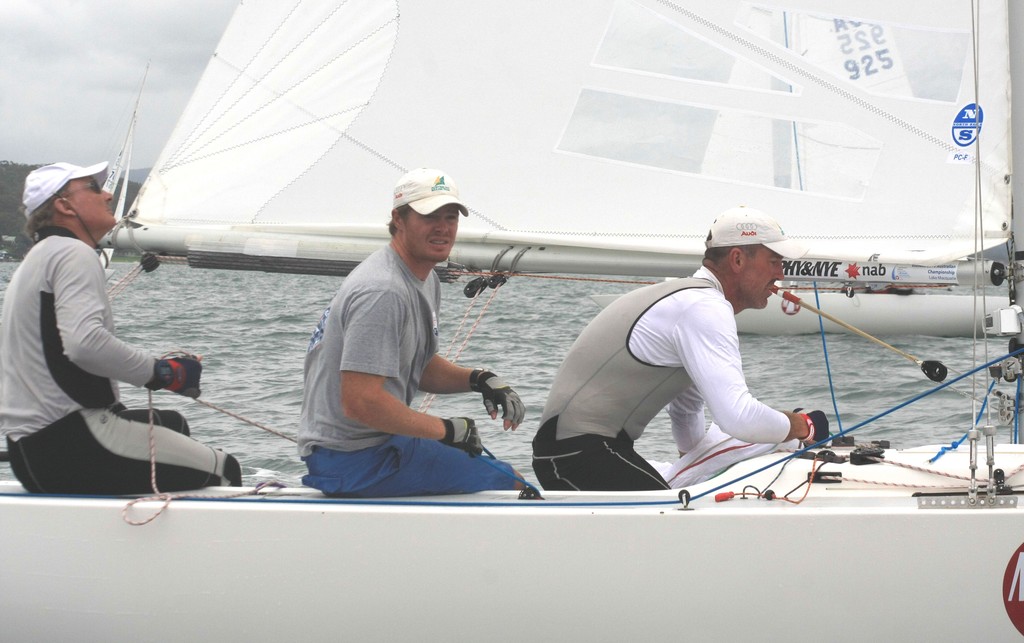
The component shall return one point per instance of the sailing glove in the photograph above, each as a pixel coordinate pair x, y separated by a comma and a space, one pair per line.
178, 374
819, 421
498, 394
461, 434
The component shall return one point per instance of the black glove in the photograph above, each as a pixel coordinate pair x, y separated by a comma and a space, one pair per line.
497, 393
178, 374
461, 434
820, 421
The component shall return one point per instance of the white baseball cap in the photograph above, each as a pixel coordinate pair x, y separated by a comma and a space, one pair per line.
42, 183
426, 190
744, 226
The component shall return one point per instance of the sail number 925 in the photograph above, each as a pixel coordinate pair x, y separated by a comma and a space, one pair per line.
865, 46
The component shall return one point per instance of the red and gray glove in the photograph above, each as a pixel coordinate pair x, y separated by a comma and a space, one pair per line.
178, 374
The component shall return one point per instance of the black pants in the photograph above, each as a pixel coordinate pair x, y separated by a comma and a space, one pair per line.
67, 457
591, 463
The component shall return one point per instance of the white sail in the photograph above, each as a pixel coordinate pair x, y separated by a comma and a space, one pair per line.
603, 135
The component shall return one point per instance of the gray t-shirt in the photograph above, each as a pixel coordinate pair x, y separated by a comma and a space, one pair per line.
382, 321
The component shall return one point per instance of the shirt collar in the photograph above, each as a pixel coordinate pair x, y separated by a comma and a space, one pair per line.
707, 275
54, 231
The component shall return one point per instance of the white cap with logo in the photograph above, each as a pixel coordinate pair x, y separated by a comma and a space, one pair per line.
746, 226
42, 183
426, 190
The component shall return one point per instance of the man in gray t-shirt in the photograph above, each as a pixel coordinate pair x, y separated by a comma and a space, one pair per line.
376, 347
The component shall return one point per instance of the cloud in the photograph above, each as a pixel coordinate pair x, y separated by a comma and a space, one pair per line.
72, 70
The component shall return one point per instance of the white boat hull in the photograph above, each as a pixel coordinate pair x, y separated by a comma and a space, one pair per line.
854, 561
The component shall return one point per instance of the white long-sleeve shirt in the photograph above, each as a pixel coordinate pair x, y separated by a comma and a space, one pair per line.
695, 329
671, 344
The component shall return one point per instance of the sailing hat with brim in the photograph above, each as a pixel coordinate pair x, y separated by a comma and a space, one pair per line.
746, 227
42, 183
426, 190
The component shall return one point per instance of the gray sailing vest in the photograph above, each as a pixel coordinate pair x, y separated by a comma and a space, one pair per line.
601, 388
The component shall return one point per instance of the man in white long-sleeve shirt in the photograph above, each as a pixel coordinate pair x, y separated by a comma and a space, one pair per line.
673, 344
60, 362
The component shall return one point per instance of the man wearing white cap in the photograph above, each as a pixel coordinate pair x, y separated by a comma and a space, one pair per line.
671, 344
375, 348
60, 363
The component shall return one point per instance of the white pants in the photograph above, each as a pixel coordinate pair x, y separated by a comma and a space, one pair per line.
716, 452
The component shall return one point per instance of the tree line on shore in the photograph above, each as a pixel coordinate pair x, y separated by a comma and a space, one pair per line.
12, 183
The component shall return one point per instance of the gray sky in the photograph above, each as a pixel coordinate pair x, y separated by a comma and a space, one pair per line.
70, 72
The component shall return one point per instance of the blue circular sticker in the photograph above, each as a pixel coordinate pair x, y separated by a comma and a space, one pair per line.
967, 125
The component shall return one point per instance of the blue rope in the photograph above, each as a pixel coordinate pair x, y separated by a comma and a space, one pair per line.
490, 456
956, 443
862, 424
828, 364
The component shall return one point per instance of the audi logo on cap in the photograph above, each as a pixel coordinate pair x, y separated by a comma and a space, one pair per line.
749, 225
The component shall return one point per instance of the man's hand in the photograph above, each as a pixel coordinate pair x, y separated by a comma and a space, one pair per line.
461, 434
498, 394
817, 425
178, 374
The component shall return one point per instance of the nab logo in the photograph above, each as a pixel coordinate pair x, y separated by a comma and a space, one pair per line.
1013, 589
967, 125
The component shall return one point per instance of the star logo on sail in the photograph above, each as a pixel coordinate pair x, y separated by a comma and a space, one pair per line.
853, 271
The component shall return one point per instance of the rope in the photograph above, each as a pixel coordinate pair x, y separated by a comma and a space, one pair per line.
977, 420
914, 467
428, 400
158, 496
167, 498
117, 288
243, 419
490, 461
871, 419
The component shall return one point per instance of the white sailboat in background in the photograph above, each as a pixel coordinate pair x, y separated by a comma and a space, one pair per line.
593, 137
119, 168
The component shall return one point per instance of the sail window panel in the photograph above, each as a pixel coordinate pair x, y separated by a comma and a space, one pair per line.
639, 40
894, 60
744, 147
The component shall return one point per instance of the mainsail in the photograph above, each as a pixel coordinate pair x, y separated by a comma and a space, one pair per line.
592, 136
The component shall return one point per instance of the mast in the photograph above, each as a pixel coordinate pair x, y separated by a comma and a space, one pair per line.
1016, 17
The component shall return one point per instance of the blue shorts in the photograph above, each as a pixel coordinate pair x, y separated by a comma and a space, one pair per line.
404, 466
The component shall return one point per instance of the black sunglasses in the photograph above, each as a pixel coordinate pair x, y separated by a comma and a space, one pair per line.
91, 185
